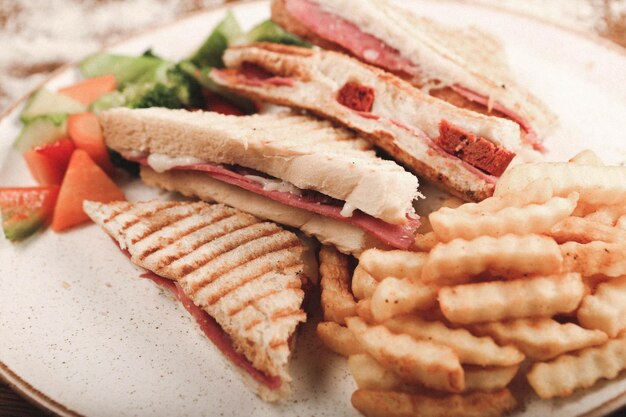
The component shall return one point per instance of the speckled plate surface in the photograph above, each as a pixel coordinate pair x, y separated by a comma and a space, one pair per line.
81, 334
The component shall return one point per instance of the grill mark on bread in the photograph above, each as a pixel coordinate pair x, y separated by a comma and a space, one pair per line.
283, 313
267, 268
224, 250
254, 254
116, 212
274, 344
168, 260
161, 222
128, 224
291, 285
184, 233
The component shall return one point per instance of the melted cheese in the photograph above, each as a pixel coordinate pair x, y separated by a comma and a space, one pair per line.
162, 163
273, 184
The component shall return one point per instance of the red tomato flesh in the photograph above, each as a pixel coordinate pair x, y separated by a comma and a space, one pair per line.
26, 209
48, 163
85, 131
91, 89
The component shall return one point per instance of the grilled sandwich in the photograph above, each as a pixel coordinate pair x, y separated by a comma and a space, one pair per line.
462, 151
240, 277
289, 168
466, 67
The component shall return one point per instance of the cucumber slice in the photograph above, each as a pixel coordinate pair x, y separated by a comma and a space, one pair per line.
39, 132
48, 103
226, 33
16, 230
108, 101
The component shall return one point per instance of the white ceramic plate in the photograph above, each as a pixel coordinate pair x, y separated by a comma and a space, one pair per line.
81, 334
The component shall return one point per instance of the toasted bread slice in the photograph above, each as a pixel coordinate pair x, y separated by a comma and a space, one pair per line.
346, 238
402, 120
435, 57
244, 272
306, 152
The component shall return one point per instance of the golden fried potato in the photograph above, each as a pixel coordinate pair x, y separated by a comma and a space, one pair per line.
338, 338
567, 373
395, 296
500, 300
337, 301
541, 338
414, 361
595, 258
396, 404
605, 309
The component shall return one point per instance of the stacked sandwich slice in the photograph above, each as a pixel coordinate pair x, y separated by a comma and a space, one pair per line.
292, 169
240, 278
464, 66
462, 151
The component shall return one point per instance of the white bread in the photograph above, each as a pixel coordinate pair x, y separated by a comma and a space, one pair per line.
346, 238
309, 153
242, 271
319, 75
441, 55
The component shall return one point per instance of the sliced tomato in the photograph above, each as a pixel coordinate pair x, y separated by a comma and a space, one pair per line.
48, 163
25, 210
85, 131
84, 180
91, 89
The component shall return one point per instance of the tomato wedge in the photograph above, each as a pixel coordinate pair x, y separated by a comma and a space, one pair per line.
48, 163
84, 180
85, 131
26, 209
91, 89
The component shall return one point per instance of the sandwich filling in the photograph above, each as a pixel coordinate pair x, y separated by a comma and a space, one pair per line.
375, 51
480, 156
398, 236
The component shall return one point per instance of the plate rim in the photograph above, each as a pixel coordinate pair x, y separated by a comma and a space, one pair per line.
48, 404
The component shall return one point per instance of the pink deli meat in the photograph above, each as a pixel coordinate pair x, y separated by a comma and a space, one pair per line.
398, 236
377, 52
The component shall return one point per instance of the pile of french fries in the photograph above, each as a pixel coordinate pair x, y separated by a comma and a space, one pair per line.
531, 280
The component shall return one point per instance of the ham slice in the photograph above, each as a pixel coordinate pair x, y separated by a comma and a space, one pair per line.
214, 332
375, 51
397, 236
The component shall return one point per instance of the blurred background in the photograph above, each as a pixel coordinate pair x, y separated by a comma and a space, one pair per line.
38, 36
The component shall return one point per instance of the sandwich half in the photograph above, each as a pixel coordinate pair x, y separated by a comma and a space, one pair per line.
241, 278
324, 179
462, 151
465, 67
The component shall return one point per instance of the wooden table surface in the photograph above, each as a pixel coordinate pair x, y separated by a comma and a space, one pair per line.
606, 18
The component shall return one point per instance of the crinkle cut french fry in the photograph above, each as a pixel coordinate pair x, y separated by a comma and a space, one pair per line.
596, 184
606, 309
537, 192
414, 361
583, 230
451, 224
338, 338
395, 263
608, 215
621, 222
469, 348
562, 376
397, 404
364, 310
478, 378
511, 255
336, 299
500, 300
395, 296
363, 284
541, 338
369, 374
586, 157
595, 258
425, 242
